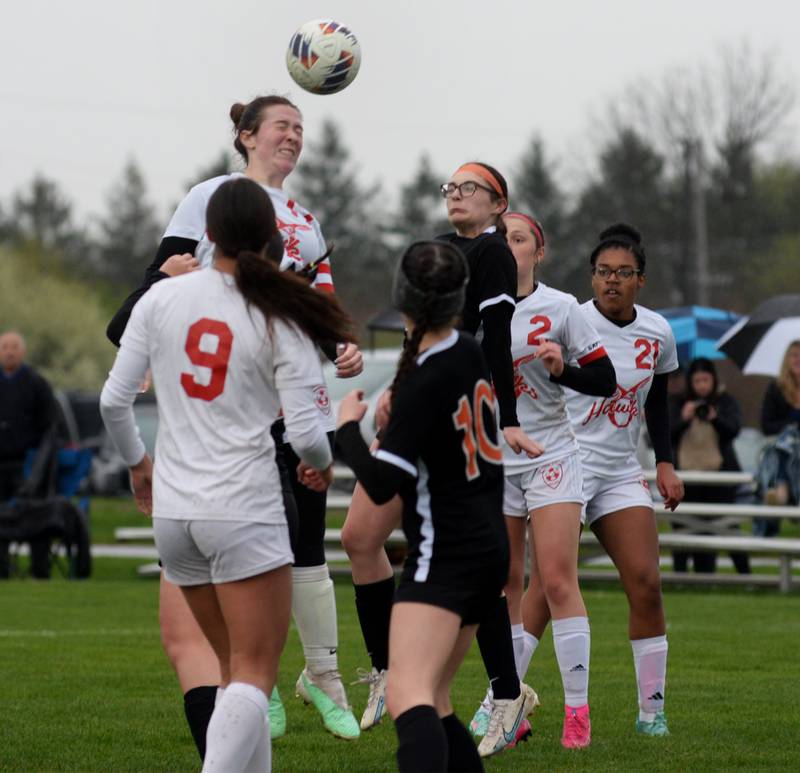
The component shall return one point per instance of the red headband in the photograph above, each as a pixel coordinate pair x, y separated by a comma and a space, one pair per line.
534, 226
483, 172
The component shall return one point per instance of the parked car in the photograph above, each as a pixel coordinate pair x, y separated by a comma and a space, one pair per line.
380, 366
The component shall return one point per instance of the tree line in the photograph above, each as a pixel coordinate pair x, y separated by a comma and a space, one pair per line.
689, 159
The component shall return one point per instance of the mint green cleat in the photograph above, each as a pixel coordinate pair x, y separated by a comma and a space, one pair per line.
326, 692
658, 727
479, 725
277, 715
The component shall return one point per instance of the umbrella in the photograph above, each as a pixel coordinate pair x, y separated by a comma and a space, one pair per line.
758, 342
697, 329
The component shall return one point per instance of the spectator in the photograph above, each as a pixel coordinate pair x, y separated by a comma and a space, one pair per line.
26, 413
703, 429
780, 415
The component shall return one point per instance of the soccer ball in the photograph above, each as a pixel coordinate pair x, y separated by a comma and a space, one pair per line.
323, 56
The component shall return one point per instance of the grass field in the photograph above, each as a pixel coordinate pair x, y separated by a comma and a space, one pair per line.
87, 688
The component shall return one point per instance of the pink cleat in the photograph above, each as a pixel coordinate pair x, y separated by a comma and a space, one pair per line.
577, 727
523, 733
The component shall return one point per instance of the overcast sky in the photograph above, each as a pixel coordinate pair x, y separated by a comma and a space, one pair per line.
85, 84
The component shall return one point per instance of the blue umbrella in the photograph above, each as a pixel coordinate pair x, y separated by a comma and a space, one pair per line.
697, 330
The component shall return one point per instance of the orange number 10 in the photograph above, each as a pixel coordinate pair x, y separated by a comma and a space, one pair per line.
469, 418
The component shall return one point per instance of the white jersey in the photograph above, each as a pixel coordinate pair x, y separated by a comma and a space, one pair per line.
608, 428
303, 242
218, 373
546, 314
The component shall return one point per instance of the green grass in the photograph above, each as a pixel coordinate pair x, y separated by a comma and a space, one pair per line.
86, 686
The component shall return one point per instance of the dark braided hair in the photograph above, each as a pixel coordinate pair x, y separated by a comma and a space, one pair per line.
429, 287
624, 236
241, 222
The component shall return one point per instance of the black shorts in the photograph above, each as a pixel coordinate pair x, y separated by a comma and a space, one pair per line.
470, 604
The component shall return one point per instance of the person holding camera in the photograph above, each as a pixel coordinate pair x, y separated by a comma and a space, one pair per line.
703, 430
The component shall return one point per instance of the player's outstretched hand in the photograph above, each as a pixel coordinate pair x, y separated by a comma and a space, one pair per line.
350, 362
519, 442
175, 265
141, 476
316, 480
670, 486
550, 354
383, 410
352, 408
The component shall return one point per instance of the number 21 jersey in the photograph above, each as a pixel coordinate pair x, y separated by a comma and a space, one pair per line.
608, 428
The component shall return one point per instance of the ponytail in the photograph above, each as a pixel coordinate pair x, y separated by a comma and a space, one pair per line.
283, 294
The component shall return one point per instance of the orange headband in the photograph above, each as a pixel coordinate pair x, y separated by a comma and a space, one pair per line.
483, 172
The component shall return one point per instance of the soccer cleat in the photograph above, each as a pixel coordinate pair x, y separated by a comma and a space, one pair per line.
577, 727
277, 715
376, 701
658, 727
479, 725
507, 724
326, 692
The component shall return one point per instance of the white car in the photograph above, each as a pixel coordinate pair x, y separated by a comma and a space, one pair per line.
380, 365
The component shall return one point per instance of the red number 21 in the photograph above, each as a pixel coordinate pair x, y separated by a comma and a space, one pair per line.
216, 361
470, 419
647, 347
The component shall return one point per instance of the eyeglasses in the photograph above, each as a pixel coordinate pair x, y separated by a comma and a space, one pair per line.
465, 190
622, 273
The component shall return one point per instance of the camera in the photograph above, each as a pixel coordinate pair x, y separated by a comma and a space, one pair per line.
701, 410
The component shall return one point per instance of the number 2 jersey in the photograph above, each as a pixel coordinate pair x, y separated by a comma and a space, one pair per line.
608, 428
547, 315
443, 433
220, 377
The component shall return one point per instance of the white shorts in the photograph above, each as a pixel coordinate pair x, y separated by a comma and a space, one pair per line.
547, 484
604, 495
201, 552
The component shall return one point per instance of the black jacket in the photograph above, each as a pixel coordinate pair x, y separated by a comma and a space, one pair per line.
727, 424
27, 410
776, 413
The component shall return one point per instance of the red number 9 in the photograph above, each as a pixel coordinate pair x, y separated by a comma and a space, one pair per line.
216, 361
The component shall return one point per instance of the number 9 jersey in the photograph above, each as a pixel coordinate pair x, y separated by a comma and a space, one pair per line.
221, 377
608, 428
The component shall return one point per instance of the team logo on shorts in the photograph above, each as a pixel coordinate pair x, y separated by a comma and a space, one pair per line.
322, 399
552, 475
645, 485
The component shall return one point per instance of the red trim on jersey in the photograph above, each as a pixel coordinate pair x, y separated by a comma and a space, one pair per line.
325, 287
290, 203
592, 356
324, 268
309, 218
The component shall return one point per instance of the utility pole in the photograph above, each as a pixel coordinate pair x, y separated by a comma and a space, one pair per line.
695, 166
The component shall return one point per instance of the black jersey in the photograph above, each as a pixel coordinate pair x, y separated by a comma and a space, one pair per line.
488, 308
442, 432
492, 274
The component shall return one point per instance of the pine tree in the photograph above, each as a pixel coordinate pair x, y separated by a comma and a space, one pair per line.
422, 213
129, 232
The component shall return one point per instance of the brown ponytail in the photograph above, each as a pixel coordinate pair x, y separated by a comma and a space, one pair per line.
241, 222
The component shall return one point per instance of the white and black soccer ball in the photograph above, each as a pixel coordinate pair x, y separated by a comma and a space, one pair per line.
323, 56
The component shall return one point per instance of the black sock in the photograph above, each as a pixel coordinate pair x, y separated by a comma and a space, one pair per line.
374, 607
497, 651
462, 754
198, 703
421, 741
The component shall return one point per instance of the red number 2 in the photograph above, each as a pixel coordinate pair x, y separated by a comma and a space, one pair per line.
216, 361
476, 441
646, 347
544, 326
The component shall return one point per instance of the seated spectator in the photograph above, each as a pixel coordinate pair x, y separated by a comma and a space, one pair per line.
704, 426
26, 412
780, 465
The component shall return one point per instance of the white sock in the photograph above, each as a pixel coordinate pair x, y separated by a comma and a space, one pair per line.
314, 610
571, 640
261, 761
529, 645
518, 640
236, 728
650, 662
218, 696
